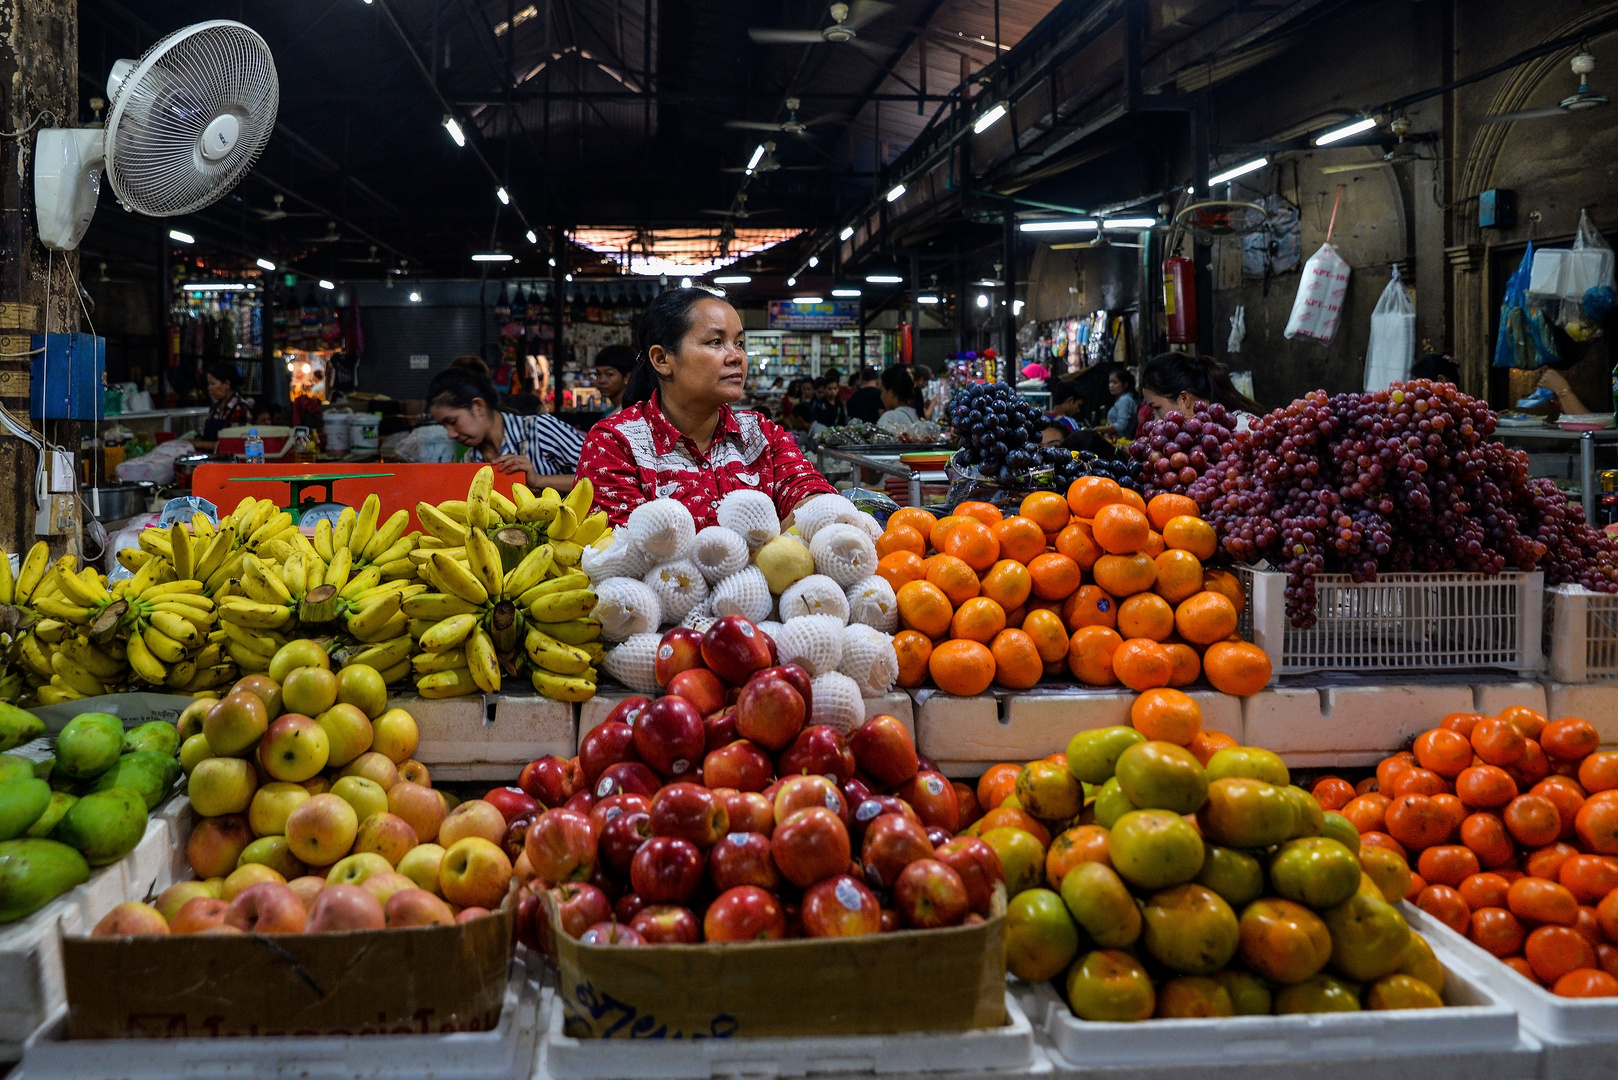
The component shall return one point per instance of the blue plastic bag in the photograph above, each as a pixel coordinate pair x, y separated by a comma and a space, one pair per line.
1525, 338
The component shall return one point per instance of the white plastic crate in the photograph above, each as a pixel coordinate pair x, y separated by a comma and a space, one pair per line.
1580, 1035
1581, 634
1004, 1051
1477, 1019
1400, 622
506, 1053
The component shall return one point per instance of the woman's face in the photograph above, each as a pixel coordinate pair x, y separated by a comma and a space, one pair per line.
219, 391
890, 400
710, 368
469, 427
1051, 436
1183, 405
1114, 384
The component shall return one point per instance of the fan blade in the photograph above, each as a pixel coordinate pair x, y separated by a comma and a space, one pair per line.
752, 125
785, 37
1331, 170
861, 12
1525, 114
825, 118
869, 48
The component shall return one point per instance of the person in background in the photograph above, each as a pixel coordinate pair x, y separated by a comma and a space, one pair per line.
1175, 382
613, 365
1125, 410
1566, 400
229, 408
927, 389
678, 436
829, 408
1440, 367
1067, 404
803, 425
268, 415
543, 450
794, 394
866, 403
899, 398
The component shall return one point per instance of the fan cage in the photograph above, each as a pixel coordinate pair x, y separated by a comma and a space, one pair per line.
1222, 218
154, 158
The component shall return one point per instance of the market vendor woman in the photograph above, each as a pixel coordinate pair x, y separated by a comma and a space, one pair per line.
677, 436
541, 449
229, 408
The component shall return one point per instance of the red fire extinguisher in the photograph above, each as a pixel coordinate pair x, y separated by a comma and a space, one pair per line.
1180, 299
905, 344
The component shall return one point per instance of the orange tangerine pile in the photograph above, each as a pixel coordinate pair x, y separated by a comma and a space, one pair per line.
1099, 586
1511, 823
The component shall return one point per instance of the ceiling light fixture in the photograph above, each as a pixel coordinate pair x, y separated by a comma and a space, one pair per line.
532, 237
1239, 170
491, 256
884, 279
454, 129
265, 264
685, 282
324, 284
504, 197
1016, 307
808, 300
927, 298
733, 279
1129, 223
986, 121
182, 237
983, 301
848, 230
895, 192
758, 156
791, 281
1057, 226
567, 277
814, 261
213, 286
845, 293
1325, 138
415, 297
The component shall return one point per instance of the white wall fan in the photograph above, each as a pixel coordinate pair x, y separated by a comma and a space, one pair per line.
187, 121
1580, 100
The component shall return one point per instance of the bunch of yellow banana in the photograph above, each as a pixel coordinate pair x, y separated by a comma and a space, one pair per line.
477, 625
166, 624
517, 524
386, 547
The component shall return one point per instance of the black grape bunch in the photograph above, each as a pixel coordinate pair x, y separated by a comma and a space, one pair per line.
999, 431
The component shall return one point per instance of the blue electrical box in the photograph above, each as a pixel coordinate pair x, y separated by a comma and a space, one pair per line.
68, 377
1497, 209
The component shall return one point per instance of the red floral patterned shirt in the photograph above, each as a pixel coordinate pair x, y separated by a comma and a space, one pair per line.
636, 455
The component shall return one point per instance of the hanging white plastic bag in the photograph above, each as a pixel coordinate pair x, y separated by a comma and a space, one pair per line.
1321, 293
1238, 329
1393, 338
1588, 283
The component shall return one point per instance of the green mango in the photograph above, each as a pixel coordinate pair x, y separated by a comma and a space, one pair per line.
159, 735
44, 767
105, 825
149, 772
21, 803
13, 767
89, 745
17, 726
52, 817
35, 872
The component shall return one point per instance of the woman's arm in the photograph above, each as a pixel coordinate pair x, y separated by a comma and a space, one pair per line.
796, 479
1566, 399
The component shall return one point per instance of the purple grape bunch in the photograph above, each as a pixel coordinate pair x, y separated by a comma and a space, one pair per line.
1404, 479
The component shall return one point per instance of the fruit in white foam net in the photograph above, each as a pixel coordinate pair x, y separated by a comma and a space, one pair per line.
663, 528
823, 510
872, 602
746, 593
868, 658
634, 663
679, 587
626, 607
752, 515
843, 553
719, 553
813, 641
837, 702
784, 560
621, 558
816, 594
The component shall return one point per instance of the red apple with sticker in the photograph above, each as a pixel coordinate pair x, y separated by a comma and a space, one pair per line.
624, 778
606, 744
666, 870
689, 812
670, 738
620, 839
874, 807
743, 858
680, 649
701, 688
840, 906
667, 924
856, 790
719, 728
733, 648
798, 792
929, 894
610, 933
884, 750
740, 765
626, 710
810, 846
561, 846
799, 677
933, 796
770, 712
892, 842
579, 906
606, 809
512, 802
820, 750
749, 811
745, 913
545, 780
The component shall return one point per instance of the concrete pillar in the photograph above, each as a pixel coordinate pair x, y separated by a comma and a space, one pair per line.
39, 71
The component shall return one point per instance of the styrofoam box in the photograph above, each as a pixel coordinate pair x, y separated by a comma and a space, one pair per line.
1595, 702
593, 712
31, 981
1580, 1034
1477, 1020
506, 1053
480, 737
995, 1051
1357, 723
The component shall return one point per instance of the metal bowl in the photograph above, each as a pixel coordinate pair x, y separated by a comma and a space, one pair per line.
116, 502
186, 465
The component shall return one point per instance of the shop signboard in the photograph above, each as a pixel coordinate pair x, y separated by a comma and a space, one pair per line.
837, 315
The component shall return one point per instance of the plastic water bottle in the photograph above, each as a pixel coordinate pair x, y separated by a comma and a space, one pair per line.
255, 447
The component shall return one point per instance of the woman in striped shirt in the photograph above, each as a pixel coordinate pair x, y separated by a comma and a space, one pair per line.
541, 448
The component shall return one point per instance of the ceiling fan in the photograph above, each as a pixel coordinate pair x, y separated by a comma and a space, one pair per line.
279, 213
791, 125
1584, 98
372, 258
741, 213
847, 21
1402, 152
768, 162
332, 235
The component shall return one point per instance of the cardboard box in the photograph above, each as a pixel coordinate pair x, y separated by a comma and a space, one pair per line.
910, 980
417, 981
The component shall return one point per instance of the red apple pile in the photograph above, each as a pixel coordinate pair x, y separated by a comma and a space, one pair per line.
714, 814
